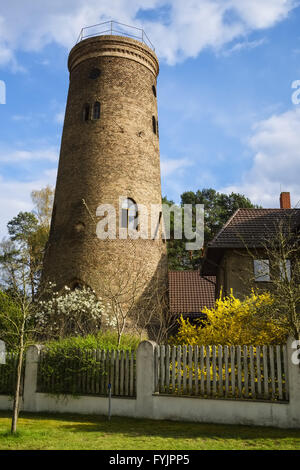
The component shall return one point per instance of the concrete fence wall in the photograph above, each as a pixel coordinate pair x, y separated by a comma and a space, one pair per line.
150, 404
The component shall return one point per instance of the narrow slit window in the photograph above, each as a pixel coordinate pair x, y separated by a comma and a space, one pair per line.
154, 90
129, 215
86, 112
154, 125
96, 112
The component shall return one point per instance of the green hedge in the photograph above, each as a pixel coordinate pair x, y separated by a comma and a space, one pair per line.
73, 365
106, 341
8, 374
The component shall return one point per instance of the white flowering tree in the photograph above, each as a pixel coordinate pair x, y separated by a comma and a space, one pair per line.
71, 312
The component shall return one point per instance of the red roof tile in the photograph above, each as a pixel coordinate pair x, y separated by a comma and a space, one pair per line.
189, 293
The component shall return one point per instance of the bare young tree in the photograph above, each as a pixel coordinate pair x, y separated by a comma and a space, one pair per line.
281, 264
21, 263
120, 289
154, 312
135, 303
18, 331
283, 253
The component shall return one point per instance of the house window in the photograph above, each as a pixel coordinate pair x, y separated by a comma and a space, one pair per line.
96, 110
129, 216
154, 90
154, 124
261, 270
285, 270
86, 112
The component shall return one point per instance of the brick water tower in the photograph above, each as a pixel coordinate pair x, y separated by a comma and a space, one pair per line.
109, 149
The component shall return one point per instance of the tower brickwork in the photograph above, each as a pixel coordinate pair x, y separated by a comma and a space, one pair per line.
109, 149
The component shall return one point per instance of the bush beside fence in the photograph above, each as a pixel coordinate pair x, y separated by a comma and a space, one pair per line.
241, 372
8, 374
87, 373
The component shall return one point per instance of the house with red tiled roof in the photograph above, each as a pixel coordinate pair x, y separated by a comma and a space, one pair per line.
189, 293
237, 254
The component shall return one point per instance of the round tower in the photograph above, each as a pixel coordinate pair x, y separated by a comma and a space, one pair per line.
109, 150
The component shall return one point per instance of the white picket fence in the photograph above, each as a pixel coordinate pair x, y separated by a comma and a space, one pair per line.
236, 372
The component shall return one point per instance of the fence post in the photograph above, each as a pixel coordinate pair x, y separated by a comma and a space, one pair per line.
294, 382
30, 379
145, 379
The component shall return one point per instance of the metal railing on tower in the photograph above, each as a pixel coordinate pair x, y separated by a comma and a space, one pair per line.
115, 28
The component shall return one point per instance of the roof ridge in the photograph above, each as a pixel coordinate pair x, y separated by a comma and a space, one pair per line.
267, 209
250, 224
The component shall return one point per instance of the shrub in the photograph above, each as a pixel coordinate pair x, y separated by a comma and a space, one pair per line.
234, 322
77, 312
102, 340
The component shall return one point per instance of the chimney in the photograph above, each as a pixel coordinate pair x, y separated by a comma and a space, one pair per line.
285, 201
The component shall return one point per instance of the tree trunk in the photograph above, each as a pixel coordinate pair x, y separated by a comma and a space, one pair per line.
16, 405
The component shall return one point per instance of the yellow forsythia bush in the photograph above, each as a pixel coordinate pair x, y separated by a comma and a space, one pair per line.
234, 322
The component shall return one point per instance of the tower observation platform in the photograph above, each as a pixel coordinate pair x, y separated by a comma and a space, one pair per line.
115, 28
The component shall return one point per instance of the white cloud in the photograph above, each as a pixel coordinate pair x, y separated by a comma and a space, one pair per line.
174, 172
171, 166
188, 27
15, 196
59, 117
244, 45
276, 165
19, 156
258, 14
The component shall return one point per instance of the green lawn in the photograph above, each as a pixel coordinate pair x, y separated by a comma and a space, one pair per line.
46, 431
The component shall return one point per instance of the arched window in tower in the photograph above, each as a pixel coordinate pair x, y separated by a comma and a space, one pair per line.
129, 216
86, 112
154, 124
154, 90
96, 110
77, 285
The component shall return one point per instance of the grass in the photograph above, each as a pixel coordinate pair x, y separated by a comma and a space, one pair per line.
45, 431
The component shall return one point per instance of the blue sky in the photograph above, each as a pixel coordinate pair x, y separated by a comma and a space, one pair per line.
226, 116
